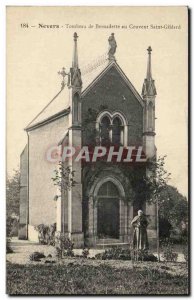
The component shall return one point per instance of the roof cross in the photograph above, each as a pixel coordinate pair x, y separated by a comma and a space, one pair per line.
149, 50
63, 74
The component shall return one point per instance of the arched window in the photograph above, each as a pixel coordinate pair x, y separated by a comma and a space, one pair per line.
150, 116
108, 189
104, 131
117, 131
76, 108
112, 128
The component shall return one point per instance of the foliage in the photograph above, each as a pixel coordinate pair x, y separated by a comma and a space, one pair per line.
36, 256
64, 177
168, 250
125, 254
64, 246
12, 203
155, 181
46, 234
174, 207
143, 255
85, 252
13, 194
8, 246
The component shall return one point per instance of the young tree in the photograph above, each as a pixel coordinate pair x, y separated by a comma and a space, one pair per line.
155, 182
63, 178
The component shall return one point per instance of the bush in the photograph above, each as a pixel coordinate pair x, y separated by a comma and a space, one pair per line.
36, 256
8, 247
168, 250
85, 252
125, 254
64, 246
144, 255
46, 234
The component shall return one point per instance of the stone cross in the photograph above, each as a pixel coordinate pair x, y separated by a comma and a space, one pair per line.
63, 74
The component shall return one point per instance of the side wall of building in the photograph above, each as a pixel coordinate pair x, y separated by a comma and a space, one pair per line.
42, 207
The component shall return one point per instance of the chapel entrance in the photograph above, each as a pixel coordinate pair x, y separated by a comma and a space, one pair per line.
108, 211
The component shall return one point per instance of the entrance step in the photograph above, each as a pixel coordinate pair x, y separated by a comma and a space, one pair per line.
110, 243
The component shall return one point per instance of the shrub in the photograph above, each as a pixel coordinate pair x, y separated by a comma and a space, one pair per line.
36, 256
8, 247
46, 234
126, 254
68, 247
64, 246
85, 252
143, 255
168, 250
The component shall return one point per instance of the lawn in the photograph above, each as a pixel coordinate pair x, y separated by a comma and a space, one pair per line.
75, 276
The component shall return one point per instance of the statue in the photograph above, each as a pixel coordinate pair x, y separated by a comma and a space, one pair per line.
112, 47
140, 238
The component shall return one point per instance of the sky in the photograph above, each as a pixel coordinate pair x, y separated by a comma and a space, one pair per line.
36, 54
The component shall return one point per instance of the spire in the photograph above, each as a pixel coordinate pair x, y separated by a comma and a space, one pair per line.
149, 69
148, 88
76, 81
75, 53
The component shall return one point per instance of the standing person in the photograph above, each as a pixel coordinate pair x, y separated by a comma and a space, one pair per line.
140, 238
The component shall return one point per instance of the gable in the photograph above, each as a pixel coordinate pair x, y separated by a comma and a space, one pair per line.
113, 93
103, 72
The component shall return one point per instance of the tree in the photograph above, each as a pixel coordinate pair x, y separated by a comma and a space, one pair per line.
63, 178
174, 210
155, 182
12, 203
172, 207
13, 194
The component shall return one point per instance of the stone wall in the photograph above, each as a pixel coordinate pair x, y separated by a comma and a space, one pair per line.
42, 207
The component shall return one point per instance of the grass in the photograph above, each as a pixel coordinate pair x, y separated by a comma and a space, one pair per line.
77, 277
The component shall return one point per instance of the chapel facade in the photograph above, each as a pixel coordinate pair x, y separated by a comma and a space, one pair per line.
100, 108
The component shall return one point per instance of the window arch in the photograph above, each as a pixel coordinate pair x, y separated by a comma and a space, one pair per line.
150, 115
112, 128
117, 136
76, 108
108, 189
105, 130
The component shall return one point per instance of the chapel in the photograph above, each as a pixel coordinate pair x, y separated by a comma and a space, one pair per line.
96, 106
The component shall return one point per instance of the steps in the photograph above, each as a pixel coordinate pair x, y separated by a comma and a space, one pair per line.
110, 243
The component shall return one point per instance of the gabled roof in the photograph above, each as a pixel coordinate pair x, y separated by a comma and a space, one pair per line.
95, 79
59, 105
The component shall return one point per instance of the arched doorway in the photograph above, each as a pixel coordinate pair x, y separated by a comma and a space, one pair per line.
108, 211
